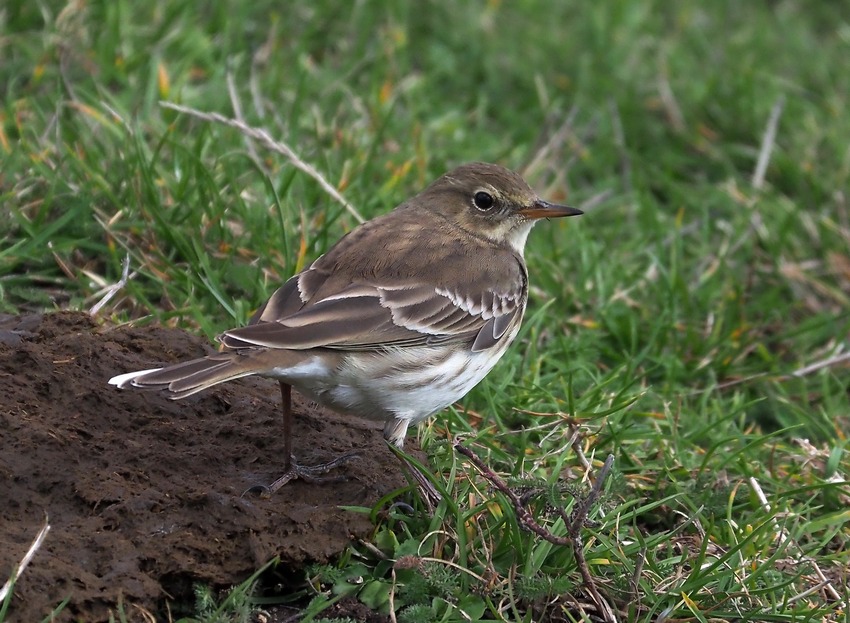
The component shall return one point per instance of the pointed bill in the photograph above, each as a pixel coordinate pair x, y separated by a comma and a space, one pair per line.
544, 209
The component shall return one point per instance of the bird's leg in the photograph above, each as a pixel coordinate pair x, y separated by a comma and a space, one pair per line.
292, 470
286, 406
429, 492
394, 433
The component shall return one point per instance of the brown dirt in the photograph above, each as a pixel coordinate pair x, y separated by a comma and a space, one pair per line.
144, 494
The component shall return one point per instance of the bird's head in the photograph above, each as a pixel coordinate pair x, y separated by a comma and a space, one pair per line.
490, 201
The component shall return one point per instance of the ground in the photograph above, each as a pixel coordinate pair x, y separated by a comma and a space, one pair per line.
145, 495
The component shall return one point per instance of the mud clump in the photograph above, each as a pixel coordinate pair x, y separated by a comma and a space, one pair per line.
144, 494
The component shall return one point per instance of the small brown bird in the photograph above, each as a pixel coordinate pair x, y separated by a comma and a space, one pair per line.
401, 318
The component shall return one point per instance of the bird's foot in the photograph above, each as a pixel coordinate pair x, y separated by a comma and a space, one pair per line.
430, 496
427, 490
309, 473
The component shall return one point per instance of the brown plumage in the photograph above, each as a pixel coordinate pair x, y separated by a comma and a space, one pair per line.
399, 319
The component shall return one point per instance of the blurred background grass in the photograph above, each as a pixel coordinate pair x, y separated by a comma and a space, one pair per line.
670, 320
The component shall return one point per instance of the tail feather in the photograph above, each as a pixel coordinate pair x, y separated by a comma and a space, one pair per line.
190, 377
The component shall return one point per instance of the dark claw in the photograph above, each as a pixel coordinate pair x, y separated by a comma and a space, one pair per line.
261, 491
407, 508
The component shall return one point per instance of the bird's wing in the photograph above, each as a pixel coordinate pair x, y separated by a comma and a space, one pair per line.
380, 314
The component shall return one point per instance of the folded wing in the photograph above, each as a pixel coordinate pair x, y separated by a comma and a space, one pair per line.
370, 316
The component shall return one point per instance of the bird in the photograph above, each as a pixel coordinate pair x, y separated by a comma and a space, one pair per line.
401, 318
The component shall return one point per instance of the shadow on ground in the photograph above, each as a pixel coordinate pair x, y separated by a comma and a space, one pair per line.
144, 495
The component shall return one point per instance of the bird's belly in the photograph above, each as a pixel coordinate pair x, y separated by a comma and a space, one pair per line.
408, 383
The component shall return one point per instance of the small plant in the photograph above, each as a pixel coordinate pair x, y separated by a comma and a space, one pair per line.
236, 605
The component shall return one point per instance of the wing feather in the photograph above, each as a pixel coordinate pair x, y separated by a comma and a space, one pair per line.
320, 308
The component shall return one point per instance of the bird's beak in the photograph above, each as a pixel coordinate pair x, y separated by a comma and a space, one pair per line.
544, 209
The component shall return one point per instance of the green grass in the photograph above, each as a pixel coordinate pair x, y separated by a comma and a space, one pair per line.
667, 323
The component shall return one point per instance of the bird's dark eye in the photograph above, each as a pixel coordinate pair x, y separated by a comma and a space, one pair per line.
482, 200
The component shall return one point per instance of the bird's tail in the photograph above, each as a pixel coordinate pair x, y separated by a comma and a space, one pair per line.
190, 377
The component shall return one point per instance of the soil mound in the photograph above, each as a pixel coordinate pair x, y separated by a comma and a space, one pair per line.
144, 494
